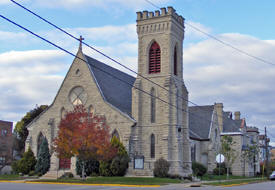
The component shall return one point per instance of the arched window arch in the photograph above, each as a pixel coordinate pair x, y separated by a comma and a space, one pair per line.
91, 110
175, 61
115, 134
39, 142
154, 58
152, 148
62, 113
153, 105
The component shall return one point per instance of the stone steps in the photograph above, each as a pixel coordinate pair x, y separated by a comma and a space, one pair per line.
53, 174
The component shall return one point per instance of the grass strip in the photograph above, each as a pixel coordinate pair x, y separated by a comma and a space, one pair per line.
236, 182
117, 180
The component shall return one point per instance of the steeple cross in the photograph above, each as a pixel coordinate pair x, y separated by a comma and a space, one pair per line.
81, 39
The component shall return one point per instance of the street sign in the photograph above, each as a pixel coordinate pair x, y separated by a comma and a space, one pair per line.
220, 158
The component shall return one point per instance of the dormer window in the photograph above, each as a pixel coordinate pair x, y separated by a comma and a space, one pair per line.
154, 58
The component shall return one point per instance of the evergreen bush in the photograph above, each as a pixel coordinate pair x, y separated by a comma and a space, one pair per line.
198, 169
120, 162
104, 168
27, 163
43, 158
161, 168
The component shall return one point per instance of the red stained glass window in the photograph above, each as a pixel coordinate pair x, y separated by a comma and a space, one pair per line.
154, 58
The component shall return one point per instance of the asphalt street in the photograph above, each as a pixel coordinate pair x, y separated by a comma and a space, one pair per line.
24, 186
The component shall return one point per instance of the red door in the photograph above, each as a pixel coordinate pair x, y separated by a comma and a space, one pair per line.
64, 163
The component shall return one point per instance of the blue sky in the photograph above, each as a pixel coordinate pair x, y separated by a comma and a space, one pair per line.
34, 70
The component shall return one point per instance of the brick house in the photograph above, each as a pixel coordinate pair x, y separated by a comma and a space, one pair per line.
6, 143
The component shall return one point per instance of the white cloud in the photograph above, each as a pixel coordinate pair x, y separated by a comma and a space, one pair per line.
216, 73
28, 78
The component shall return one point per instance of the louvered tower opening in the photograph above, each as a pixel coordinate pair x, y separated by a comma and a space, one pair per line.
154, 58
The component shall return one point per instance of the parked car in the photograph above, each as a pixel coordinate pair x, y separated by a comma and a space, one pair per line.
272, 176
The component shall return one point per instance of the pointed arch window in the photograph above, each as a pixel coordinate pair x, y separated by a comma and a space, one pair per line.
39, 142
153, 105
152, 148
175, 62
115, 134
154, 58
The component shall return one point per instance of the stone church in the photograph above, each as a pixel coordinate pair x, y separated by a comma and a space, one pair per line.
149, 113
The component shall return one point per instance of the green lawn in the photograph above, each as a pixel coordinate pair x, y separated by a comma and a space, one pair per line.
208, 177
120, 180
237, 182
10, 177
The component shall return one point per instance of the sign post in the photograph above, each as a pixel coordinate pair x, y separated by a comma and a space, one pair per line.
220, 159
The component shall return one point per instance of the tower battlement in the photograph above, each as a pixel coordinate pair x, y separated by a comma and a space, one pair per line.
169, 11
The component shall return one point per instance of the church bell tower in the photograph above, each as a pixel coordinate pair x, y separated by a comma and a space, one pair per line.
160, 107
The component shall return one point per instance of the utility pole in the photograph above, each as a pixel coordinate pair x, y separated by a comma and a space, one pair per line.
266, 153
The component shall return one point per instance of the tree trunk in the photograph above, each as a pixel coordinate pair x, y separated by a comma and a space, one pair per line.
83, 169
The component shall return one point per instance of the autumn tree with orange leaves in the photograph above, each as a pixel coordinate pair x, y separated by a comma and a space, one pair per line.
85, 136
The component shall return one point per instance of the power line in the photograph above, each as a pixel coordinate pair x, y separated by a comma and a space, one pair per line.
63, 49
62, 30
221, 41
98, 51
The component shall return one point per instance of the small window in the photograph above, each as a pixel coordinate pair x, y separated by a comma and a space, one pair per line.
115, 134
154, 58
4, 132
152, 146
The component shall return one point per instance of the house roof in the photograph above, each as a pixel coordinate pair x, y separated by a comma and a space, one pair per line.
230, 125
200, 118
112, 86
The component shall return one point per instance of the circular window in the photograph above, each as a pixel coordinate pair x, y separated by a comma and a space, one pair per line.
78, 96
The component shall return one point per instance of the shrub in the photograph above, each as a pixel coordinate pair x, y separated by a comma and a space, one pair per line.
119, 163
43, 158
32, 173
222, 171
161, 168
27, 163
14, 167
104, 168
175, 176
66, 175
198, 169
90, 166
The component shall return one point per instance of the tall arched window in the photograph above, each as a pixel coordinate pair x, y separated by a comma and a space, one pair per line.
154, 58
175, 61
153, 105
39, 142
152, 146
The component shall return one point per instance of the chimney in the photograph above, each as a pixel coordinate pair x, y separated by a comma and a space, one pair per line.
219, 110
237, 115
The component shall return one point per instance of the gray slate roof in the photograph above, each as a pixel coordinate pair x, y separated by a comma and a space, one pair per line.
200, 118
110, 82
230, 125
